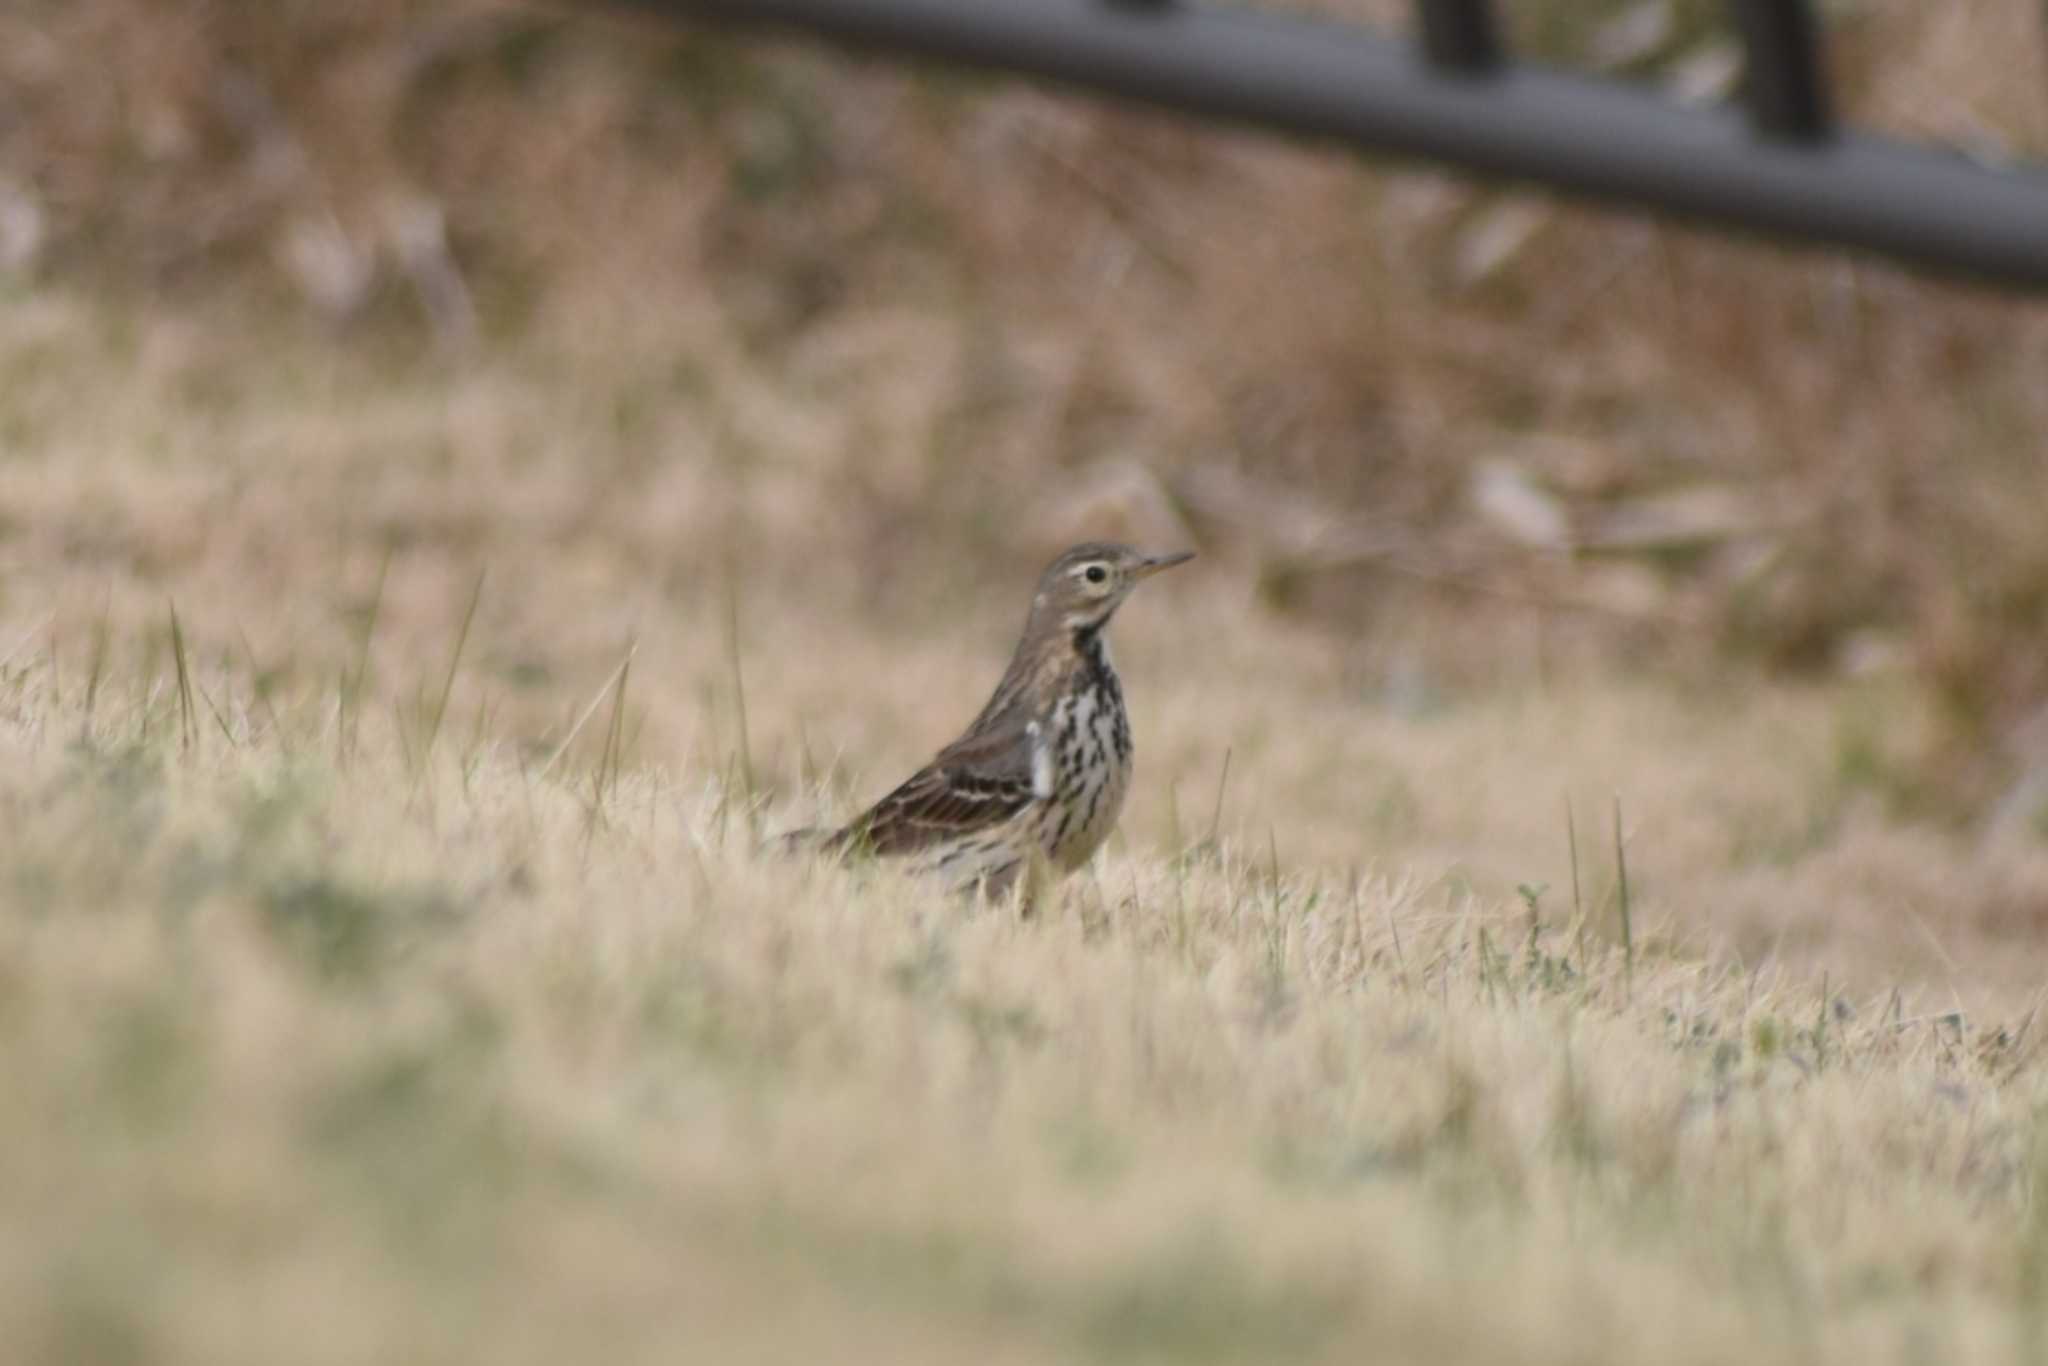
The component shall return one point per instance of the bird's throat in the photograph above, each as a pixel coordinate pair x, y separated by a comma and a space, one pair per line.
1091, 649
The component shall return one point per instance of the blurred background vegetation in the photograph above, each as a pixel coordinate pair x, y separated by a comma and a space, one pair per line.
954, 316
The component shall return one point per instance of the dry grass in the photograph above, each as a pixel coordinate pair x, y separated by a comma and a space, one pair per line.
386, 974
449, 1058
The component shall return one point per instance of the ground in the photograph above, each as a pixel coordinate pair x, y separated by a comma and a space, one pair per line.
389, 969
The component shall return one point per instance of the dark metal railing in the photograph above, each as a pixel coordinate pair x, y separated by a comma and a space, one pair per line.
1459, 36
1779, 165
1786, 89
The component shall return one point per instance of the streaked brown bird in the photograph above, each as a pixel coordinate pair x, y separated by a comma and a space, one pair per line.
1035, 784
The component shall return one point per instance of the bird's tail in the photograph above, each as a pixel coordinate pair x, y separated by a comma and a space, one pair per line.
811, 839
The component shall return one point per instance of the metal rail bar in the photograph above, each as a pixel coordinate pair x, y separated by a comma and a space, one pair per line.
1783, 83
1596, 138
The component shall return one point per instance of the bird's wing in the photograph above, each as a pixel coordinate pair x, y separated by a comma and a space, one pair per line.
977, 782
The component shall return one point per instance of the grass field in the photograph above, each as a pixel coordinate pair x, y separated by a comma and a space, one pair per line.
387, 971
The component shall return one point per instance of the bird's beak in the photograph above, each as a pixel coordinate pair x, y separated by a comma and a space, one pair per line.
1153, 564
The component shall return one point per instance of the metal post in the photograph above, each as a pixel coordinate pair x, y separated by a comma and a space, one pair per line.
1459, 35
1784, 85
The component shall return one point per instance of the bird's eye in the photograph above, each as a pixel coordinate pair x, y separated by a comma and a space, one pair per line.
1096, 573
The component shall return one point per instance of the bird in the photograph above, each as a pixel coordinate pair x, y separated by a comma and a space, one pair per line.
1035, 783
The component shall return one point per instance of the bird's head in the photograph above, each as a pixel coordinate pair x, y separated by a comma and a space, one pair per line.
1082, 589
